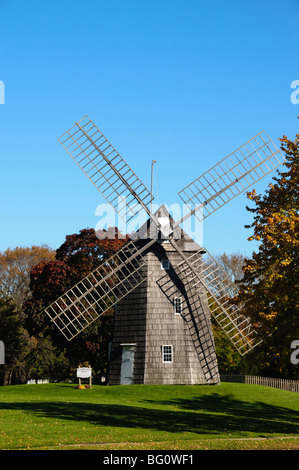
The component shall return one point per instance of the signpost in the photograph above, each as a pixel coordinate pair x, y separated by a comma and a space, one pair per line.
84, 373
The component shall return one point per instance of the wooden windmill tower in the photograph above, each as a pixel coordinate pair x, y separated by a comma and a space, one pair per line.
155, 337
164, 287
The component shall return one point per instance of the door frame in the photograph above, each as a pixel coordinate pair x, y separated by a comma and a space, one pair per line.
128, 347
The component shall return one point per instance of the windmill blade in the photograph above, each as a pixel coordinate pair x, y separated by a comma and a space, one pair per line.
96, 293
220, 292
229, 316
106, 169
232, 175
99, 291
195, 312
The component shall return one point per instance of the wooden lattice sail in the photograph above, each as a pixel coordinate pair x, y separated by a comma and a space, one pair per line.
207, 291
221, 292
99, 291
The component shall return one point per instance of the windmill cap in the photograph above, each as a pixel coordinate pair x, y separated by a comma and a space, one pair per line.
149, 230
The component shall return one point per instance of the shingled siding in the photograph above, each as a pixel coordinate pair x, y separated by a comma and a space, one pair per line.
164, 327
129, 328
146, 319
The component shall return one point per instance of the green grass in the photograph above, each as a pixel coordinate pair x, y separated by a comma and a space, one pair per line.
227, 416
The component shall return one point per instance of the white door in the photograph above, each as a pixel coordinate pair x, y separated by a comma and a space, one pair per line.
127, 359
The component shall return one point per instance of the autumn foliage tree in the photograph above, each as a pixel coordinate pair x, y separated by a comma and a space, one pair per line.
269, 288
75, 258
15, 267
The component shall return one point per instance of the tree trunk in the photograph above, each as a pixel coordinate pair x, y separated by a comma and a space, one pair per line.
7, 376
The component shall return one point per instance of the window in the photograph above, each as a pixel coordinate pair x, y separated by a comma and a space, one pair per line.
165, 264
177, 302
167, 353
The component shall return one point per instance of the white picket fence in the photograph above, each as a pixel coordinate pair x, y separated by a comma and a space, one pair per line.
283, 384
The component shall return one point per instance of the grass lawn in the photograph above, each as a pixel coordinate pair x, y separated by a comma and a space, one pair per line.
226, 416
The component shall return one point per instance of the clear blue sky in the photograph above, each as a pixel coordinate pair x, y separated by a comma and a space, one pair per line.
183, 82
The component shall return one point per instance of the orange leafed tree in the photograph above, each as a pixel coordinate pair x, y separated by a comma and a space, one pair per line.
15, 267
269, 288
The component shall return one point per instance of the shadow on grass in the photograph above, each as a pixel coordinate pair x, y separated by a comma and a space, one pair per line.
211, 414
226, 413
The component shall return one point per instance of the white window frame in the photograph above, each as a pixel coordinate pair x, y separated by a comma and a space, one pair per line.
167, 353
177, 305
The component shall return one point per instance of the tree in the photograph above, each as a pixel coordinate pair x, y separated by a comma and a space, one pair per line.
15, 267
229, 360
45, 361
232, 264
85, 250
16, 342
75, 258
27, 356
269, 288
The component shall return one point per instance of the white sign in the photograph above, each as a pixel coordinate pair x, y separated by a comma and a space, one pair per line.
84, 372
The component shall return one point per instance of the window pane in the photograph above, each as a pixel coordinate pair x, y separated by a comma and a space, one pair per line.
167, 353
177, 305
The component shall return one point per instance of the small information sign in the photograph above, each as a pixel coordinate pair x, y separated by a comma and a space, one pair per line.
84, 373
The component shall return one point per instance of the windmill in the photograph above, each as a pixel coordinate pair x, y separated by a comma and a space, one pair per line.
161, 262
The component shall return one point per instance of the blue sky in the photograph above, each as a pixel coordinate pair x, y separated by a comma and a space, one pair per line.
181, 82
